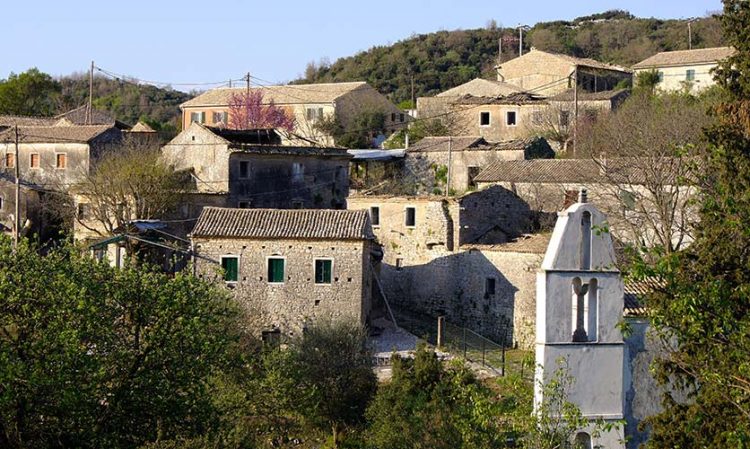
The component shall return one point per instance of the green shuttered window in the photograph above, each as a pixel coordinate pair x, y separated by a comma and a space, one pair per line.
323, 268
230, 265
275, 270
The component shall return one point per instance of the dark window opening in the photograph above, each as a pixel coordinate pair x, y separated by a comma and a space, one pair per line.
410, 218
484, 119
244, 169
399, 263
511, 118
275, 270
473, 173
323, 269
375, 215
489, 286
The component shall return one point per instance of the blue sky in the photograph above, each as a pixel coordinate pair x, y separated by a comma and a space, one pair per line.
207, 41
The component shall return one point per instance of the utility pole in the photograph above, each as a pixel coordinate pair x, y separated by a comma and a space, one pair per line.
17, 212
500, 50
91, 94
450, 163
247, 78
690, 33
520, 40
575, 109
413, 100
230, 83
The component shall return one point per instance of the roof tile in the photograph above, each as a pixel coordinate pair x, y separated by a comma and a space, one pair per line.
685, 57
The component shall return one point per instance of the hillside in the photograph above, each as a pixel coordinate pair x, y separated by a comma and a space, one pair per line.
445, 59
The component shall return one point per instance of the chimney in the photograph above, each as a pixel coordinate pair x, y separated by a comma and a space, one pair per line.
583, 196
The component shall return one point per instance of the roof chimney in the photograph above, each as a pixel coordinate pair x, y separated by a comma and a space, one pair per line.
583, 196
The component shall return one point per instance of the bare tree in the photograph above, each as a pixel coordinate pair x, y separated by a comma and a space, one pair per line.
125, 184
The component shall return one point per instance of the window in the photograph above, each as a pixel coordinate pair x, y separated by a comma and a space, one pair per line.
1, 203
583, 441
298, 172
271, 338
489, 287
323, 270
314, 114
399, 263
61, 161
197, 117
375, 215
34, 160
564, 118
484, 119
230, 265
243, 204
244, 169
10, 160
276, 270
219, 117
473, 173
510, 118
84, 211
297, 204
401, 118
393, 116
690, 75
660, 76
410, 217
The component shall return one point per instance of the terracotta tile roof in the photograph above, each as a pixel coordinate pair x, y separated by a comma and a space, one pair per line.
568, 95
685, 57
562, 171
20, 120
284, 224
466, 143
287, 94
635, 295
587, 62
77, 116
479, 87
55, 134
514, 98
526, 244
141, 127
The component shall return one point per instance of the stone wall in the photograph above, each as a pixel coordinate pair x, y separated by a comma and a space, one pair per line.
299, 301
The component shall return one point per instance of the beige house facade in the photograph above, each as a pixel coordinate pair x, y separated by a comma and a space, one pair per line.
684, 70
289, 269
308, 104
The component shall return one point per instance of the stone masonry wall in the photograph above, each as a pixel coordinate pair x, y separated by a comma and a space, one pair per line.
299, 301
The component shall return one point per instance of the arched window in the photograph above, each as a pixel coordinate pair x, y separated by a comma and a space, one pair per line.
579, 307
586, 240
591, 311
582, 441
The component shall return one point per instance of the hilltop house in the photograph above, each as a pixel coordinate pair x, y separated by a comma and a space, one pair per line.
546, 74
289, 268
308, 103
684, 69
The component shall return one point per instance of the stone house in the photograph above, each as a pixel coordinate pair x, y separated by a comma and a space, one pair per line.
546, 74
427, 161
289, 268
30, 207
308, 103
440, 104
458, 257
251, 169
684, 69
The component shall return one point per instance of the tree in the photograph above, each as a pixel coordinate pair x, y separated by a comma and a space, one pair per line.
646, 152
29, 93
247, 110
334, 366
360, 132
94, 356
702, 306
426, 405
131, 182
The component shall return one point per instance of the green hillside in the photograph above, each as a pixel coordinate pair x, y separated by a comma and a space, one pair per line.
441, 60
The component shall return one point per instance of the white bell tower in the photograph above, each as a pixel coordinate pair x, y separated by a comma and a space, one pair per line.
579, 305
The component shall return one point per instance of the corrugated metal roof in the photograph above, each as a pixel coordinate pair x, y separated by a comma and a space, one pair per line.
686, 57
284, 224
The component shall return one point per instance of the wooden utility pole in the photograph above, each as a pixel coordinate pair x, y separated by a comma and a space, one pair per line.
500, 50
575, 109
247, 78
91, 94
17, 211
413, 100
520, 40
450, 163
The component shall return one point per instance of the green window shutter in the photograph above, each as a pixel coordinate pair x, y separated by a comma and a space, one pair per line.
275, 270
231, 268
323, 271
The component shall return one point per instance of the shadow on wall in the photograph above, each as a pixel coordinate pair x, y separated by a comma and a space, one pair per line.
465, 287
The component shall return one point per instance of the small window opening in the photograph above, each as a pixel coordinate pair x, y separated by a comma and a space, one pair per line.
275, 270
375, 215
489, 287
484, 119
510, 117
399, 263
323, 270
244, 169
230, 265
410, 219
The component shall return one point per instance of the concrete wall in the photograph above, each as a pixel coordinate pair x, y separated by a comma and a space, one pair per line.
299, 301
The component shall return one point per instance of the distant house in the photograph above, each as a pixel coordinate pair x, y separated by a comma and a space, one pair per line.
289, 269
308, 103
440, 104
496, 118
684, 69
428, 160
546, 74
252, 169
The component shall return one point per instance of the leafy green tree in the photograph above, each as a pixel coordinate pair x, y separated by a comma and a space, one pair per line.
359, 133
703, 306
29, 93
426, 405
92, 356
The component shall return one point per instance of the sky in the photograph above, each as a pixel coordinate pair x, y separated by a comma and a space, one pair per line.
212, 41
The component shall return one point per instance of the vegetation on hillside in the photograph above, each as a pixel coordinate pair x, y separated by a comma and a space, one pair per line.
445, 59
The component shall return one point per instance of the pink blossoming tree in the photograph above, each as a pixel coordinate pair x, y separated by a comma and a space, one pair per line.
247, 111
